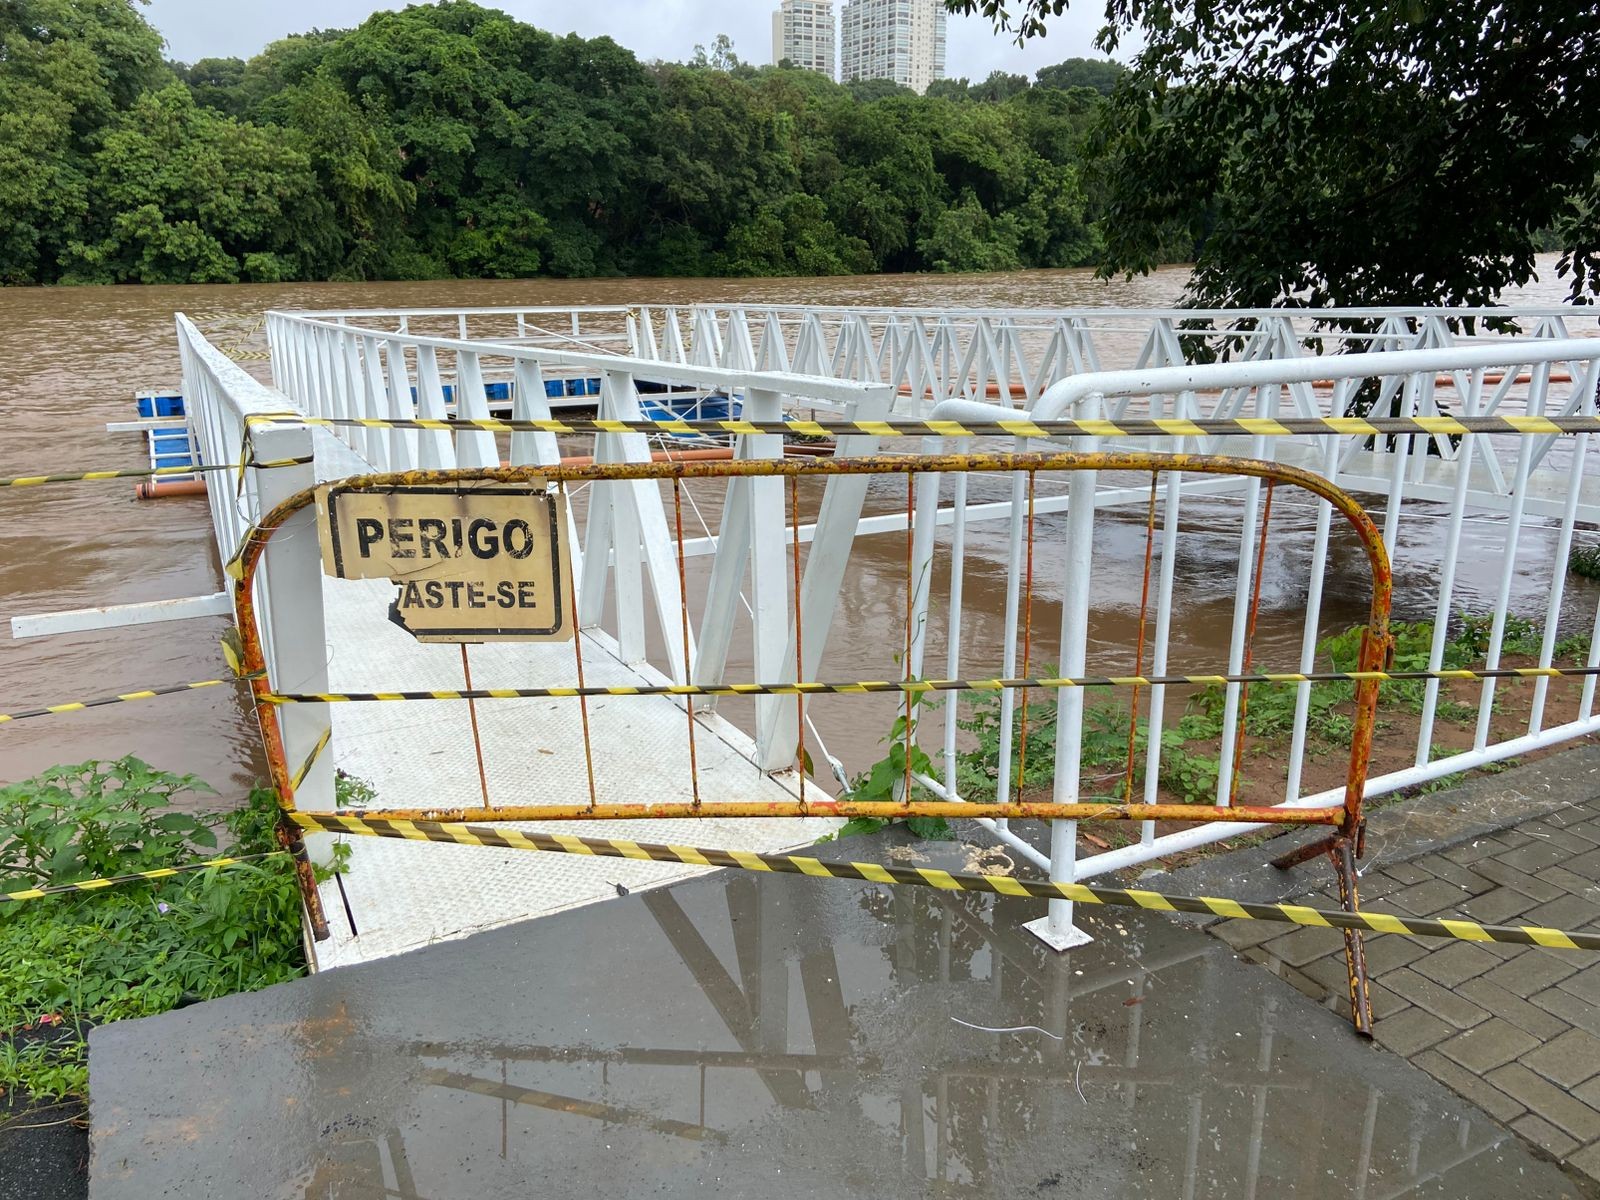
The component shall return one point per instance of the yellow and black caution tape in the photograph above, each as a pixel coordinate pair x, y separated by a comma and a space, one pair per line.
921, 686
1000, 885
311, 759
138, 473
907, 427
853, 687
171, 689
97, 885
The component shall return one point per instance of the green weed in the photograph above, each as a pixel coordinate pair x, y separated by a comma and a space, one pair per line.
880, 780
84, 959
1585, 561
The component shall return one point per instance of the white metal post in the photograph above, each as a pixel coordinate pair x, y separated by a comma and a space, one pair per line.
1056, 929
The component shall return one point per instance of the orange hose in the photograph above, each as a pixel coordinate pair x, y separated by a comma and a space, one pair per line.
155, 489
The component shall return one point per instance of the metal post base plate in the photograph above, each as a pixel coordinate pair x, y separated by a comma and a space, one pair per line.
1057, 939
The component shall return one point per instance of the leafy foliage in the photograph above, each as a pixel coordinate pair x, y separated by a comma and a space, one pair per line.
452, 139
95, 818
1350, 153
882, 780
1585, 561
73, 961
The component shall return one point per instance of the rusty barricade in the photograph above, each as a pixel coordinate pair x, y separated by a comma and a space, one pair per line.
1343, 820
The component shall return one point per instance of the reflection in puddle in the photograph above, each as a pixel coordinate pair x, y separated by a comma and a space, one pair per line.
770, 1037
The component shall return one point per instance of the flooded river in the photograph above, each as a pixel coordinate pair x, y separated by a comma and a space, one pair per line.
76, 356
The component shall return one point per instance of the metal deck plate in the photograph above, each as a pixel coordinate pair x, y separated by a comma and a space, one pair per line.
397, 895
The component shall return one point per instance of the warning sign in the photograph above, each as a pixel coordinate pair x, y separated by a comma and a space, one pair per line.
483, 563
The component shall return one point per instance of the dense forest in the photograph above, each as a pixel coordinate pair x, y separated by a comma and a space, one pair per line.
453, 140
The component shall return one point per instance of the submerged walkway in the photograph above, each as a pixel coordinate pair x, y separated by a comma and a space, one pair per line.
397, 895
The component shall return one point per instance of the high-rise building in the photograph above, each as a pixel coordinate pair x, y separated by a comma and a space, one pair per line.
902, 40
802, 32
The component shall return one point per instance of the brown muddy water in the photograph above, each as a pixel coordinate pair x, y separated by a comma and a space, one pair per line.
76, 356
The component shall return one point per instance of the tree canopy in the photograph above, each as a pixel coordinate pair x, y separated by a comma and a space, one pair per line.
1350, 152
451, 139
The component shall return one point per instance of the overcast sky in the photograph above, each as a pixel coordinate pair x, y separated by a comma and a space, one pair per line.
665, 29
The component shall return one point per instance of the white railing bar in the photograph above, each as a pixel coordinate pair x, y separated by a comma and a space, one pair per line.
1065, 393
1377, 785
821, 387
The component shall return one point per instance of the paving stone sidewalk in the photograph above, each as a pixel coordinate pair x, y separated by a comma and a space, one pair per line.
1513, 1029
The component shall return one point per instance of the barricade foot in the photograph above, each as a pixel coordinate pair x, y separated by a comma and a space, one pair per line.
1314, 849
292, 838
1355, 951
1057, 936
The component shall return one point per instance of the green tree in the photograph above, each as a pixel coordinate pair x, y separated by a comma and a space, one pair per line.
360, 172
67, 68
868, 90
1359, 152
452, 139
720, 58
184, 194
1000, 85
964, 237
1097, 74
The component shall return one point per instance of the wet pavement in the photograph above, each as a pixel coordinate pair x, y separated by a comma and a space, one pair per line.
754, 1035
1514, 1029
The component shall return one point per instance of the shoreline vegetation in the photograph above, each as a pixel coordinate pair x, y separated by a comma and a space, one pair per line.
452, 140
71, 962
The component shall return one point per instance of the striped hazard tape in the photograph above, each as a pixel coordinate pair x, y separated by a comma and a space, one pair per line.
854, 687
98, 885
20, 481
1127, 427
50, 710
918, 686
1000, 885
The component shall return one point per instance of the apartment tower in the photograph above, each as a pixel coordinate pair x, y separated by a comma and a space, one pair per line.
902, 40
802, 32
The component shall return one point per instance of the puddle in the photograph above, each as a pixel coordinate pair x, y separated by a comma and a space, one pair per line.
773, 1036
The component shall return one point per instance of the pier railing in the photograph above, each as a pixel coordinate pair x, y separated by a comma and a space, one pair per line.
1518, 552
222, 401
627, 566
1013, 355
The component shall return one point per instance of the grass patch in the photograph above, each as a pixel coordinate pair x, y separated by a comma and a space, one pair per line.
68, 963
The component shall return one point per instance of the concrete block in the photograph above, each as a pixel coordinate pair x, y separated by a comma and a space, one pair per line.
1469, 1086
1545, 1135
1503, 873
1456, 962
1490, 996
1498, 906
1411, 1032
1429, 897
1574, 1010
1586, 1161
1584, 983
1568, 1060
1432, 997
1492, 1044
1531, 972
1546, 1100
